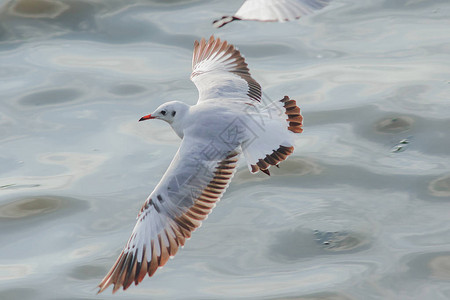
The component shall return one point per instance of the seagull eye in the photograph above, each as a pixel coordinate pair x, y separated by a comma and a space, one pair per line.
174, 113
163, 112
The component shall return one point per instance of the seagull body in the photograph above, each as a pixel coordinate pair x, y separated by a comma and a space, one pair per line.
227, 120
273, 10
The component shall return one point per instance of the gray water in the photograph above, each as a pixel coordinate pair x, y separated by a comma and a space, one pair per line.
360, 211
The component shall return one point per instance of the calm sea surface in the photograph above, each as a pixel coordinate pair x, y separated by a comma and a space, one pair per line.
360, 211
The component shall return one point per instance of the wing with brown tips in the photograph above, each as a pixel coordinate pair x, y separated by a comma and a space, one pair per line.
185, 196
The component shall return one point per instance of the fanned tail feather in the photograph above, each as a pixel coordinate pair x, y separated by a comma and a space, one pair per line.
274, 144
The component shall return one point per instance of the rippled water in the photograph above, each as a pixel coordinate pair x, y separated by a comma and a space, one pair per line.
361, 211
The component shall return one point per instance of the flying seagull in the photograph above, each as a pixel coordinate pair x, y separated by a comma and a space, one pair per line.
228, 119
273, 10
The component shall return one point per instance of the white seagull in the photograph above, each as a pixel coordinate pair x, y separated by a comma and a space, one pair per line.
273, 10
228, 119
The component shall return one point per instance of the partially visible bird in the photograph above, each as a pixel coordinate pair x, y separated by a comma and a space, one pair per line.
228, 119
273, 10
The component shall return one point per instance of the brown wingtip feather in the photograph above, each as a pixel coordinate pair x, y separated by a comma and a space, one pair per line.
272, 159
127, 269
216, 49
294, 117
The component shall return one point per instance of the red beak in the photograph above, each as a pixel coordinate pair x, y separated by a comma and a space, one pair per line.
147, 117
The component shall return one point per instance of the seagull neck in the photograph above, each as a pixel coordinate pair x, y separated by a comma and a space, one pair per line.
179, 124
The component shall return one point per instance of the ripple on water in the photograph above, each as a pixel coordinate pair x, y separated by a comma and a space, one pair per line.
36, 206
297, 244
340, 241
127, 89
77, 165
87, 272
440, 187
440, 266
435, 265
35, 19
51, 97
38, 8
28, 207
394, 124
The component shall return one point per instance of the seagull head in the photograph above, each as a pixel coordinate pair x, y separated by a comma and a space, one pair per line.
169, 112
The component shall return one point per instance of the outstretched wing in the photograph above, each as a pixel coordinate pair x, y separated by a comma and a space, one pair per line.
195, 180
220, 71
273, 10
